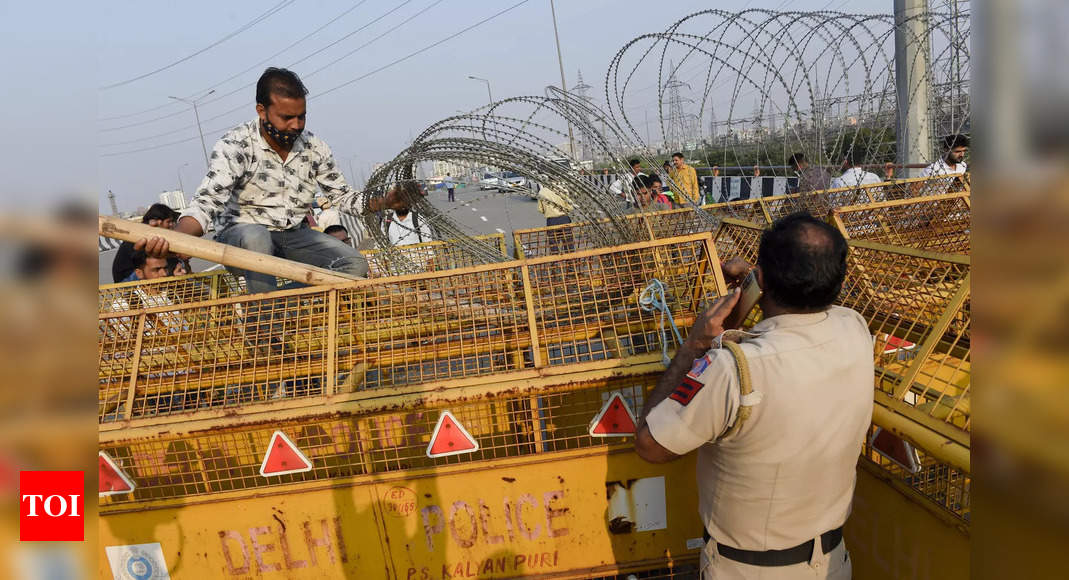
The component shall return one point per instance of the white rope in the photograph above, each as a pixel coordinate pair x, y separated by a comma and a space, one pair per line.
652, 299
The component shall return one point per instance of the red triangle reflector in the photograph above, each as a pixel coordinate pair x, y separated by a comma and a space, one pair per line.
450, 438
614, 420
283, 457
895, 344
112, 479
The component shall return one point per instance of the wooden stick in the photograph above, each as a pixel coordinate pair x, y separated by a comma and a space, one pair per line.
227, 255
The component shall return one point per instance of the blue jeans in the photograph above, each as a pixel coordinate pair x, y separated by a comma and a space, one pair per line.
301, 245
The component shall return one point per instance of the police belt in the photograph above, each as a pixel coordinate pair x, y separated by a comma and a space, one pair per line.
787, 557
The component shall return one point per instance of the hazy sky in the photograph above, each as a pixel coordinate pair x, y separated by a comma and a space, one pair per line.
68, 128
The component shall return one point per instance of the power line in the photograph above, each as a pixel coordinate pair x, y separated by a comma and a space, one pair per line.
292, 64
295, 43
332, 89
426, 48
273, 10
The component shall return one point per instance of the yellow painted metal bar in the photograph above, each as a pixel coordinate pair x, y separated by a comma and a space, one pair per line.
933, 443
135, 364
935, 336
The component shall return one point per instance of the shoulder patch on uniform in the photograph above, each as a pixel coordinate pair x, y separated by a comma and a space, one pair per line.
686, 390
699, 366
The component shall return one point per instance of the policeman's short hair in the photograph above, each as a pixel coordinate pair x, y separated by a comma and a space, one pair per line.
803, 262
281, 82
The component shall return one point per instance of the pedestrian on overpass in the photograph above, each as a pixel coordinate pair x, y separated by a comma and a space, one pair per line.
777, 417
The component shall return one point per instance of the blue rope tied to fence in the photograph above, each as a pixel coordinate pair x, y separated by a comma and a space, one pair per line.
652, 300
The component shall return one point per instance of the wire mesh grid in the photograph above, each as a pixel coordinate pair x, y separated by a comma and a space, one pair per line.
141, 294
216, 354
394, 332
943, 484
588, 308
938, 223
429, 256
419, 330
229, 458
918, 313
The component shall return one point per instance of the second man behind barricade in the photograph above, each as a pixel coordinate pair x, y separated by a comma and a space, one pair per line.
778, 419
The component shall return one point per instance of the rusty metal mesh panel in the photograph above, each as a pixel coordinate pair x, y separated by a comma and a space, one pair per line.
918, 313
221, 353
579, 236
749, 210
587, 308
940, 224
943, 484
430, 256
174, 290
426, 329
229, 458
395, 332
739, 239
117, 344
818, 203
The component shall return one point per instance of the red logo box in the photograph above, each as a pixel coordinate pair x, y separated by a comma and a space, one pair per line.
51, 506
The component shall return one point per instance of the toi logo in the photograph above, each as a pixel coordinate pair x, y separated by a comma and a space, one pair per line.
51, 506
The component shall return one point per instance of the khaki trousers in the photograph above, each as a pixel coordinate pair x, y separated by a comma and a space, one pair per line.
835, 565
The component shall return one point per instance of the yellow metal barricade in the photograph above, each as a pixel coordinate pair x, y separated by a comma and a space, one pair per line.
430, 256
941, 223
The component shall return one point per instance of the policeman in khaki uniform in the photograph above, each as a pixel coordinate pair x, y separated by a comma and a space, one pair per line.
777, 449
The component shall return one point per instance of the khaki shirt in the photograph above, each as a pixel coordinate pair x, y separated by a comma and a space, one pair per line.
788, 474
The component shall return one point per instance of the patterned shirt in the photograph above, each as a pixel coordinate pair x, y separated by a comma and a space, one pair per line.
248, 182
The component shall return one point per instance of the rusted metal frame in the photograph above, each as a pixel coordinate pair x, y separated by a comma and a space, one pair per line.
368, 479
135, 363
389, 398
929, 441
936, 335
532, 320
900, 202
944, 429
961, 259
332, 341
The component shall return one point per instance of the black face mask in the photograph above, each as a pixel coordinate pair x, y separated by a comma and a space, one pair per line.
283, 138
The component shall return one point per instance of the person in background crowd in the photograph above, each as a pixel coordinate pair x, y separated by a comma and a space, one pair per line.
450, 186
854, 175
625, 186
147, 267
777, 444
953, 160
648, 200
810, 178
339, 231
686, 179
158, 216
406, 227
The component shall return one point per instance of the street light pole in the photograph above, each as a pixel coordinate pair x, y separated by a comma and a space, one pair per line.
563, 85
196, 115
488, 93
